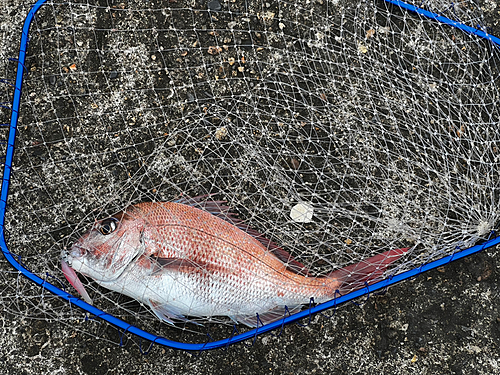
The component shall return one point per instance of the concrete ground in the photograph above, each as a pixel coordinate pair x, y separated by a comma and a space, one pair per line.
446, 321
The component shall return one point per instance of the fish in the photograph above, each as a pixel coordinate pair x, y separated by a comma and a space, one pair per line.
194, 258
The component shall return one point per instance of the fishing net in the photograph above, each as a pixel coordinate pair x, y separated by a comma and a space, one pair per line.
337, 129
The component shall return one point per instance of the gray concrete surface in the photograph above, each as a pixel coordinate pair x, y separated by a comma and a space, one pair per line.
444, 322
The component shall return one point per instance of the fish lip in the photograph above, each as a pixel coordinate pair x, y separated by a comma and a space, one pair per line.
65, 257
77, 251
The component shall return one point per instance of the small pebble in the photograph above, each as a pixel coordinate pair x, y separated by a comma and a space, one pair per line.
391, 333
214, 50
302, 213
214, 5
52, 80
362, 48
221, 133
113, 75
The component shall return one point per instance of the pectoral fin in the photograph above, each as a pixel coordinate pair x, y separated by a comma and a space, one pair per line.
158, 264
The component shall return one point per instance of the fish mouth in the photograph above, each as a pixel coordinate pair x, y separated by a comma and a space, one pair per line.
66, 257
76, 256
76, 253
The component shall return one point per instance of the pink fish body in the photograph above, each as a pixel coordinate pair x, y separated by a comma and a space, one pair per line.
185, 261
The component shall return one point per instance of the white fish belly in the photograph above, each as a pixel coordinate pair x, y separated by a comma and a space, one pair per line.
200, 296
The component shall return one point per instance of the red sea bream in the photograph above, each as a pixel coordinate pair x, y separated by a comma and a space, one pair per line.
195, 259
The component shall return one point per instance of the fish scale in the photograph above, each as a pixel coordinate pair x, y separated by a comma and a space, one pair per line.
184, 261
233, 274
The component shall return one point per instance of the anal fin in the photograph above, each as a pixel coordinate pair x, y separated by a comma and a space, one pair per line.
270, 316
169, 314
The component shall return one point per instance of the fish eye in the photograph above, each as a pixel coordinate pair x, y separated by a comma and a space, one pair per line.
108, 226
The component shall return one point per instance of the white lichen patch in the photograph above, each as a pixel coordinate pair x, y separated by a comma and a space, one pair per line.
484, 227
302, 213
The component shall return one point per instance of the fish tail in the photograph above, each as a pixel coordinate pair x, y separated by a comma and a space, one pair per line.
368, 271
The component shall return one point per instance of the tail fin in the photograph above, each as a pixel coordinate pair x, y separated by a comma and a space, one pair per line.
369, 271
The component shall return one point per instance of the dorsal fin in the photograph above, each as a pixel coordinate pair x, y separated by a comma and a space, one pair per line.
222, 211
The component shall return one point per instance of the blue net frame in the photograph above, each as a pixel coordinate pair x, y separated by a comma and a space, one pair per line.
124, 327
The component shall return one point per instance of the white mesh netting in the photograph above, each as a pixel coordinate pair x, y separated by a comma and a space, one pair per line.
382, 123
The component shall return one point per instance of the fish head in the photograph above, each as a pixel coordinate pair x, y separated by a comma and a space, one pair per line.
105, 251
